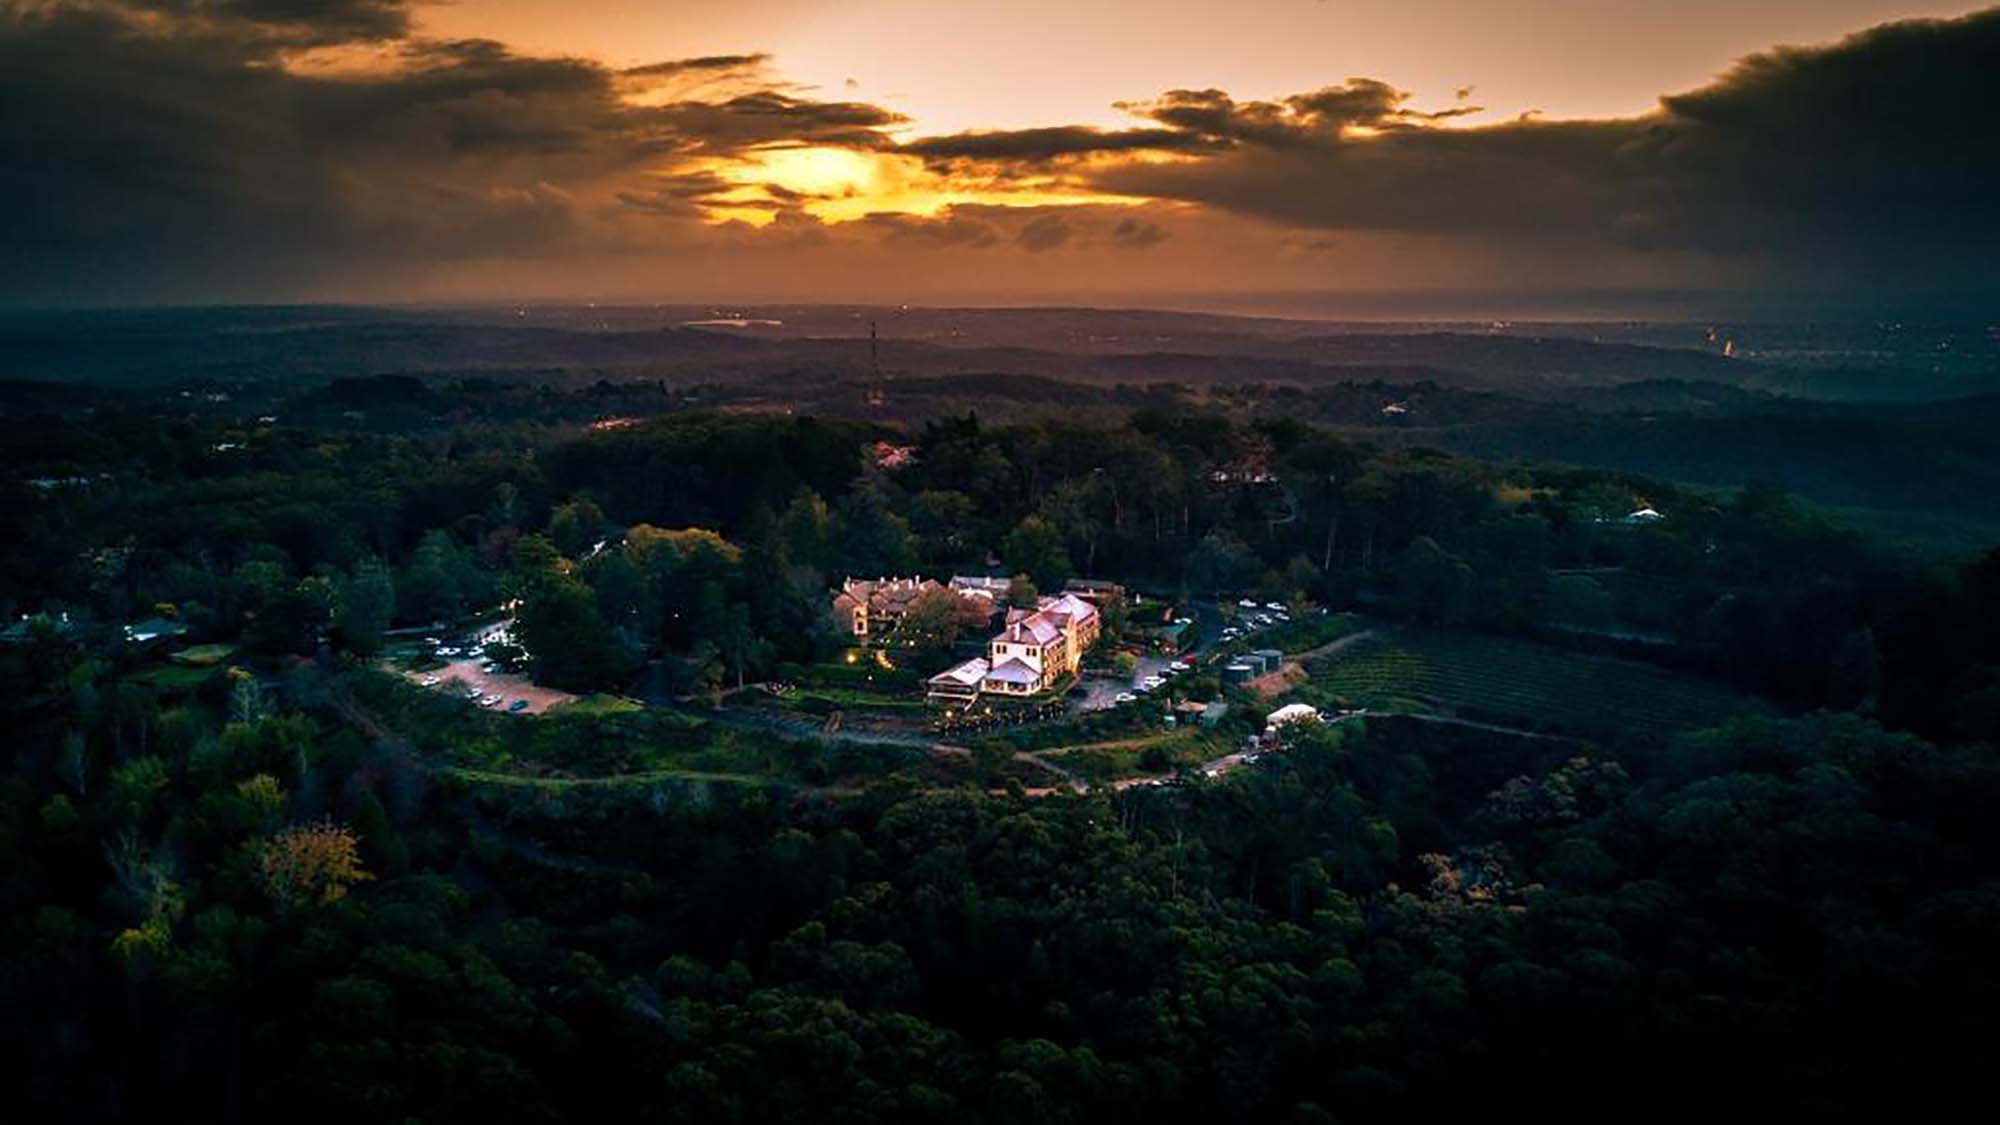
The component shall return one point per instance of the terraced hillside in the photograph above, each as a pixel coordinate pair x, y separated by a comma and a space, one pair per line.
1518, 682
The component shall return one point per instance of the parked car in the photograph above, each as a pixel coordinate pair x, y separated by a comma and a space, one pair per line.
1153, 681
1246, 603
518, 705
1125, 697
430, 681
1274, 607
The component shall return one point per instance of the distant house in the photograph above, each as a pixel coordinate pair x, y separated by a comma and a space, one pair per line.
154, 629
1290, 713
27, 628
868, 608
1096, 591
1030, 654
981, 586
888, 456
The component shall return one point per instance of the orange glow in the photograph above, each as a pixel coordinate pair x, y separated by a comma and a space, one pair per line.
845, 184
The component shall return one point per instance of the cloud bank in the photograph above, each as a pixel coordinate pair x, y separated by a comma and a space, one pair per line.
191, 150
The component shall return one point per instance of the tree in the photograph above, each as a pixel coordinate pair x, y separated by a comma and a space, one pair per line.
365, 604
1035, 548
574, 527
1855, 679
1219, 562
310, 864
1022, 592
936, 620
1579, 600
739, 643
567, 639
1435, 584
869, 537
940, 520
806, 530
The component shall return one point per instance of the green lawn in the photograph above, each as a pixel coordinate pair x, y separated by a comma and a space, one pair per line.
1107, 761
175, 677
203, 656
603, 739
1511, 681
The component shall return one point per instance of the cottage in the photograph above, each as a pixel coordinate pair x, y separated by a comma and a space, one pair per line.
870, 608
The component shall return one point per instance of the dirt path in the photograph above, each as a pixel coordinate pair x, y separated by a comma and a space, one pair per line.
1329, 648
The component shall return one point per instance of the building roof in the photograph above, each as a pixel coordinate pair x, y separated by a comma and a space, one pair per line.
153, 628
890, 594
1069, 605
1292, 713
967, 674
1015, 671
1038, 628
980, 583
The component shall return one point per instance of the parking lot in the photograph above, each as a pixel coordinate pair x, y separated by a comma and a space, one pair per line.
1102, 693
467, 672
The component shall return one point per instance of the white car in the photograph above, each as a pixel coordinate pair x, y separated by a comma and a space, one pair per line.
1275, 607
1153, 681
1246, 603
430, 681
1125, 697
447, 652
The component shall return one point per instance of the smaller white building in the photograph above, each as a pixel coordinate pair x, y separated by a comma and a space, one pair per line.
1288, 714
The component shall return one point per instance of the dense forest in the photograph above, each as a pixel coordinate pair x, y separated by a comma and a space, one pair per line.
247, 892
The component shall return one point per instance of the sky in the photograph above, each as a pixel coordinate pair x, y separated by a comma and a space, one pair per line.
1540, 157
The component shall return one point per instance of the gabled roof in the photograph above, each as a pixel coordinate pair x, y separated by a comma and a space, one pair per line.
1015, 671
1075, 608
1036, 629
967, 674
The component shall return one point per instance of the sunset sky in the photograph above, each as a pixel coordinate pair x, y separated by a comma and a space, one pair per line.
1369, 154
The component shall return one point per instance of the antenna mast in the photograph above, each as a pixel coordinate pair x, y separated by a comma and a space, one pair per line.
876, 397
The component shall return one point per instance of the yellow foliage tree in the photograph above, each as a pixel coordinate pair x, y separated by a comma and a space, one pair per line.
310, 864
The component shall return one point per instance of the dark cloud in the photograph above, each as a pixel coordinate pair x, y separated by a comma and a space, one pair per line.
1871, 160
180, 149
292, 23
1045, 232
706, 64
1319, 118
953, 227
1137, 234
682, 195
1042, 145
171, 152
773, 117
